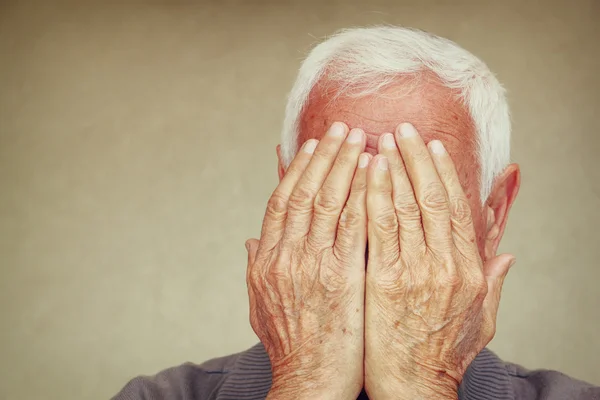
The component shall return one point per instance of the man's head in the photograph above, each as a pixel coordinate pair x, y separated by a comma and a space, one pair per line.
376, 78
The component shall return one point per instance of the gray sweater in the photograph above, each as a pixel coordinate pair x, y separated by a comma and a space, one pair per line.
247, 375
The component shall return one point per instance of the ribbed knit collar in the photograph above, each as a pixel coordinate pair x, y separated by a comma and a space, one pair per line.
485, 379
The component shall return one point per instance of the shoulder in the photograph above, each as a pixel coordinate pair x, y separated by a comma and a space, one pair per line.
548, 385
185, 382
490, 378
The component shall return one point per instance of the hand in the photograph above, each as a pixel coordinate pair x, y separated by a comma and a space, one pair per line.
306, 275
431, 303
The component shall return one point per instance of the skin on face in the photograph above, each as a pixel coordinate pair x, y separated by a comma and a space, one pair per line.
437, 113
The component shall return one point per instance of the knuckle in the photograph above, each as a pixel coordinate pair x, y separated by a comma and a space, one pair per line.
326, 203
350, 218
406, 205
277, 204
434, 198
301, 198
386, 221
460, 210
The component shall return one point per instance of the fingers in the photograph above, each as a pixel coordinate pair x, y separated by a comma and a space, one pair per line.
352, 227
463, 231
252, 270
333, 194
429, 190
495, 271
302, 199
382, 221
276, 214
252, 248
405, 204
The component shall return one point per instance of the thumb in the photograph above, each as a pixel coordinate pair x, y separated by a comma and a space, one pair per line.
252, 248
495, 270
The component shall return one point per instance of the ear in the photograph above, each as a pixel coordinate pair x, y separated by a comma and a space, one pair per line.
503, 195
280, 167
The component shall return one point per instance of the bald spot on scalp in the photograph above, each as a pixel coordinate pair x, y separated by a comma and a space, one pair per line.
421, 99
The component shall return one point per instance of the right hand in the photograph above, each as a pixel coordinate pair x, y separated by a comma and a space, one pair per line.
306, 275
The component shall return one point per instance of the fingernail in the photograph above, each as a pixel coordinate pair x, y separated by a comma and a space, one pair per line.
355, 136
388, 141
363, 160
437, 147
513, 262
247, 246
382, 164
407, 130
336, 130
310, 146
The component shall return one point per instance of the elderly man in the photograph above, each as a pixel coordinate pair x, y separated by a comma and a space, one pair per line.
376, 272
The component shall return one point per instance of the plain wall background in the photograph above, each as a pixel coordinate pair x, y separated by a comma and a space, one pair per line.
137, 153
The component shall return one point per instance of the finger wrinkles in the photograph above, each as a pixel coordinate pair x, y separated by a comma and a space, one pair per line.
327, 204
325, 153
382, 187
419, 155
347, 159
386, 222
433, 198
359, 187
350, 218
460, 211
301, 199
277, 205
315, 242
407, 207
296, 168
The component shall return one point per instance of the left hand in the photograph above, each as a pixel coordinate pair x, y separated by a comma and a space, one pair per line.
431, 302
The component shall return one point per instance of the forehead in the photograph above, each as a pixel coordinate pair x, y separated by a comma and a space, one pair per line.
435, 110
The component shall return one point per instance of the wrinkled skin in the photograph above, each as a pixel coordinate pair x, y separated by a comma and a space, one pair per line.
432, 282
306, 275
431, 302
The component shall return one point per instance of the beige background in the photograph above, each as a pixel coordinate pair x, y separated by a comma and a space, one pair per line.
137, 151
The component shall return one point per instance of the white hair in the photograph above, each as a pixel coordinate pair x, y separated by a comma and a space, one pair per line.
368, 59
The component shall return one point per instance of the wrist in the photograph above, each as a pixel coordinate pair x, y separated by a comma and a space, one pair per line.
413, 387
413, 391
309, 392
308, 388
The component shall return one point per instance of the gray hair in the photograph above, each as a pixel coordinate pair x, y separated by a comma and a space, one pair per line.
368, 59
